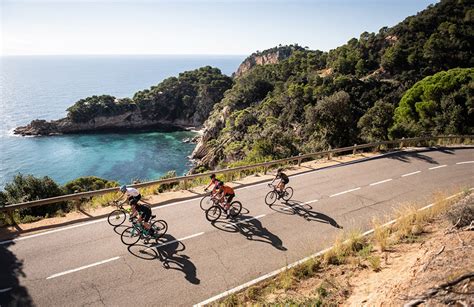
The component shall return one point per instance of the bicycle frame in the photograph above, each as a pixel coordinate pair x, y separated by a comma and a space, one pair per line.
219, 202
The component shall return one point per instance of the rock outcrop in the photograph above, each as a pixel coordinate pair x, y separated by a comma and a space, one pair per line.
175, 103
269, 56
126, 121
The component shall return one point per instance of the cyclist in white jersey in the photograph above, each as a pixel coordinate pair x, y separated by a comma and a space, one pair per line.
133, 195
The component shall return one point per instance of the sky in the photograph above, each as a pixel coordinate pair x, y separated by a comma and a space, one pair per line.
240, 27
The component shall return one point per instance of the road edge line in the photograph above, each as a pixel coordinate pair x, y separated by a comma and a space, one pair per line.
276, 272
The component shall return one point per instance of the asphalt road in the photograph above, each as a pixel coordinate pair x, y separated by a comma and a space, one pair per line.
87, 264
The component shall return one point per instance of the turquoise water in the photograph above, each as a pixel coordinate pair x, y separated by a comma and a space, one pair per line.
43, 87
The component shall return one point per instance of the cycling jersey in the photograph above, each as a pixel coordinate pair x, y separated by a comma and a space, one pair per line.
215, 182
227, 190
133, 200
132, 192
283, 177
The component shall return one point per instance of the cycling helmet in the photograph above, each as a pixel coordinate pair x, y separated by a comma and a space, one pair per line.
213, 176
123, 188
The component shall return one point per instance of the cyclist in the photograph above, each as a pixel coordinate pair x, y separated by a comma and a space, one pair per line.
133, 196
144, 212
283, 181
214, 182
226, 192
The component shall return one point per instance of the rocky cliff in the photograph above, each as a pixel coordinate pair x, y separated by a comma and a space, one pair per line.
175, 103
127, 121
269, 56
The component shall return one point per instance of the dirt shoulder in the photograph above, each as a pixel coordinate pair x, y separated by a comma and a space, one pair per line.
424, 261
410, 271
90, 213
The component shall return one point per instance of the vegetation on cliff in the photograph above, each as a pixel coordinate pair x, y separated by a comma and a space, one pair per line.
316, 100
88, 183
188, 98
438, 104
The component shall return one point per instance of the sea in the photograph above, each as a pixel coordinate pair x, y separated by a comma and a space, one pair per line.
43, 87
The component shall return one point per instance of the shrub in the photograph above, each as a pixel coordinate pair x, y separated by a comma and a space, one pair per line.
463, 214
167, 186
25, 188
89, 183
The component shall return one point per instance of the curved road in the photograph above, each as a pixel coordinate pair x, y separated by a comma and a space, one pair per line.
86, 263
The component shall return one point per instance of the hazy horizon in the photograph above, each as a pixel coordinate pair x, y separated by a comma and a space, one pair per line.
183, 27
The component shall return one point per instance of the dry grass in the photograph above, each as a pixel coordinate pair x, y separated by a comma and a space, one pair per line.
381, 235
352, 251
151, 190
374, 262
307, 269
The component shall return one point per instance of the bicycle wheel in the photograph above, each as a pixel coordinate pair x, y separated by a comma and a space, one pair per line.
116, 217
235, 208
206, 202
271, 198
213, 213
130, 235
288, 193
160, 228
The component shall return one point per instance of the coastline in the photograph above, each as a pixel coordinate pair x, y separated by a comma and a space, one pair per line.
100, 154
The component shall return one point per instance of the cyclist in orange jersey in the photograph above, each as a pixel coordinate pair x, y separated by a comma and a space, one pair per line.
227, 192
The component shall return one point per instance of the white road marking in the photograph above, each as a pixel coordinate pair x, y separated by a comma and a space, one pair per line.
246, 220
5, 290
409, 174
380, 182
276, 272
344, 192
80, 225
52, 231
83, 267
178, 240
197, 198
437, 167
324, 168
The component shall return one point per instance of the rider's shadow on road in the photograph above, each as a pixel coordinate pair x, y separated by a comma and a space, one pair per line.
305, 211
251, 228
167, 252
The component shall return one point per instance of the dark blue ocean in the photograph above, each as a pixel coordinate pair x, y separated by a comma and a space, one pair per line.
43, 87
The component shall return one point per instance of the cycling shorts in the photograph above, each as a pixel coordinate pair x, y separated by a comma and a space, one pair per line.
230, 197
145, 212
133, 200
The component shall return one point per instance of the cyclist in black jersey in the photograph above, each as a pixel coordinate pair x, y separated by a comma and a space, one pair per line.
283, 181
144, 214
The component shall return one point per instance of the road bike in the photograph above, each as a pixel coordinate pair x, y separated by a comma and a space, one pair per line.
275, 194
118, 216
137, 231
215, 211
206, 201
